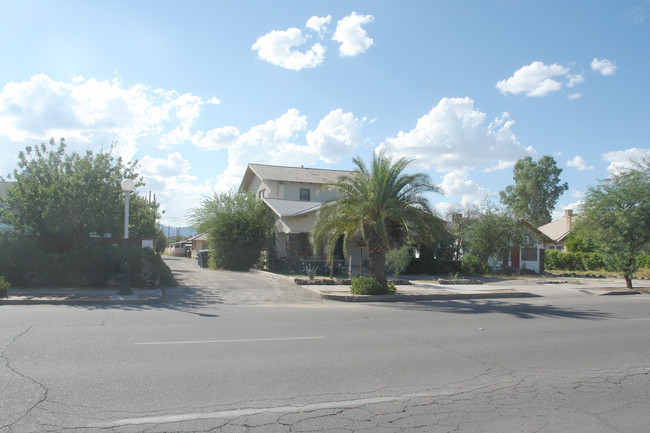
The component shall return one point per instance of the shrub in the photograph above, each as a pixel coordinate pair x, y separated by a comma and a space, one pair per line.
592, 261
472, 265
397, 260
4, 287
363, 285
238, 226
555, 260
27, 262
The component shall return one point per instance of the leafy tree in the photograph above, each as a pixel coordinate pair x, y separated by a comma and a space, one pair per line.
238, 226
378, 208
56, 193
616, 217
398, 259
493, 232
536, 190
459, 219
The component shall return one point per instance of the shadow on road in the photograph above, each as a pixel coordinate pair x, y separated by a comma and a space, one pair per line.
520, 310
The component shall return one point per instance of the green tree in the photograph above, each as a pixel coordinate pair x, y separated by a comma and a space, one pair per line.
493, 233
238, 226
459, 218
616, 217
57, 193
378, 208
398, 259
536, 190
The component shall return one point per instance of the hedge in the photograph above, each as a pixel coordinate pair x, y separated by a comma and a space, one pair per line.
28, 262
555, 260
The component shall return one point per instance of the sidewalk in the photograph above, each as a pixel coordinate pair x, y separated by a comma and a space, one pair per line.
422, 289
80, 296
418, 291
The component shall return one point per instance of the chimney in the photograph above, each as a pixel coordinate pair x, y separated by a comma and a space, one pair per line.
567, 214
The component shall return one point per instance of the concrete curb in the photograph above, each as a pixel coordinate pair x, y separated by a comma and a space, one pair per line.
86, 297
412, 297
323, 293
621, 293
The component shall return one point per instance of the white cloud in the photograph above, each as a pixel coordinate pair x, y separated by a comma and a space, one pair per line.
536, 79
217, 139
176, 189
454, 136
603, 67
278, 48
276, 142
97, 112
337, 134
574, 96
458, 183
353, 38
91, 113
575, 79
621, 159
319, 24
576, 207
579, 163
173, 166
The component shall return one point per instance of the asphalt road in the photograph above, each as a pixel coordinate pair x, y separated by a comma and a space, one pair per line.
238, 352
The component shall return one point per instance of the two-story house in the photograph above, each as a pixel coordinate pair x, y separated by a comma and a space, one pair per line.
295, 196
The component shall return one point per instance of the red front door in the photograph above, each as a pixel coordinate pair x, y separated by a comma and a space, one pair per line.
514, 258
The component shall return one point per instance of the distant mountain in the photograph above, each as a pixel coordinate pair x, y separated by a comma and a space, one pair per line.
184, 232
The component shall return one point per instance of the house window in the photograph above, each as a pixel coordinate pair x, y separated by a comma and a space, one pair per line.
262, 193
305, 194
559, 248
529, 254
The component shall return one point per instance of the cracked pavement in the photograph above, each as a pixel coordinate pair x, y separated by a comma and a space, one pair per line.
204, 361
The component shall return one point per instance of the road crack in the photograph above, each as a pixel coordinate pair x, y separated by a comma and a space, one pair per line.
7, 362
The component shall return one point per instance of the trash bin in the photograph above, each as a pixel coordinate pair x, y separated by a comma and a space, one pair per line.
202, 258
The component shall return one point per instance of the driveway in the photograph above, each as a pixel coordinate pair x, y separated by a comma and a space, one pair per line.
228, 287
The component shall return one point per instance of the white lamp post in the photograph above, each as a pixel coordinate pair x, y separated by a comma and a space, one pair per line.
127, 187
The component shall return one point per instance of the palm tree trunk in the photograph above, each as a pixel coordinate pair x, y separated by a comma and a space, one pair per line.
377, 264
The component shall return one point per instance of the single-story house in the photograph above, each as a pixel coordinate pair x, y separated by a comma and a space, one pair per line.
557, 231
199, 242
530, 257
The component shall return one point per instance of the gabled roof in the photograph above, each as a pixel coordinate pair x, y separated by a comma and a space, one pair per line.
198, 237
536, 231
558, 229
291, 174
292, 208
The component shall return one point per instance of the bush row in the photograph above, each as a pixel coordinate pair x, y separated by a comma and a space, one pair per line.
555, 260
27, 262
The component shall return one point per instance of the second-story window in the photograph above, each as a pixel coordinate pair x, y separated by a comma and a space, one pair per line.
262, 193
305, 194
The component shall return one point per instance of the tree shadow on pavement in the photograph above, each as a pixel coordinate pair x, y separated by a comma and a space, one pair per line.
520, 310
186, 299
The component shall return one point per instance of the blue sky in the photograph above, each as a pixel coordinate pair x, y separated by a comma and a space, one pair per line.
196, 90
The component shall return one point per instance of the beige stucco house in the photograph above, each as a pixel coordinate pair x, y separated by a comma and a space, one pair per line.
295, 196
550, 236
557, 231
199, 242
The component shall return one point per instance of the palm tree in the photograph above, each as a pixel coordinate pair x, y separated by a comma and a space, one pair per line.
378, 209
